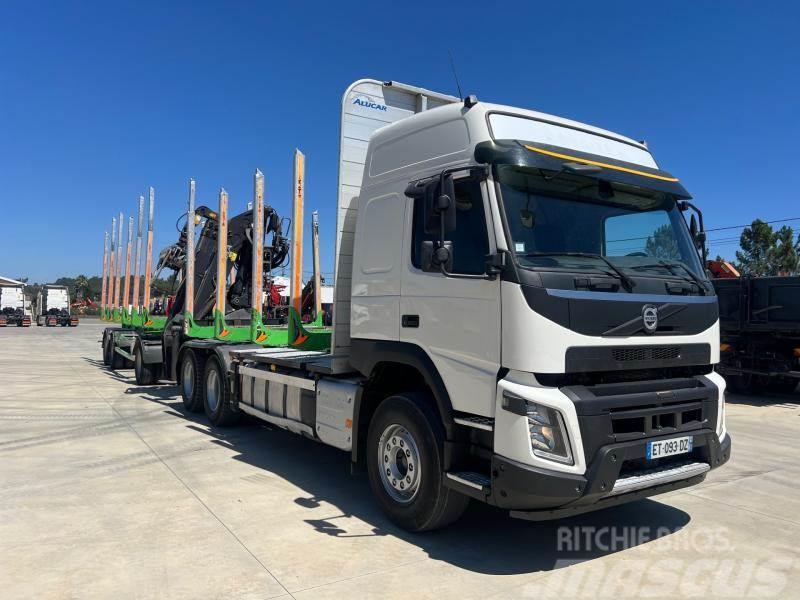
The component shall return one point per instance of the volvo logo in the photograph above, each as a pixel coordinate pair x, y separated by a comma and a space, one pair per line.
650, 318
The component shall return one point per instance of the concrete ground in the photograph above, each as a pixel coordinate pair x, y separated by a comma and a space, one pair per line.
108, 490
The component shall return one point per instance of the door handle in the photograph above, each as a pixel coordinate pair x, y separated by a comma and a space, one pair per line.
409, 320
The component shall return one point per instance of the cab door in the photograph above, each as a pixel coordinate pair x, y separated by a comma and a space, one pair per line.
456, 321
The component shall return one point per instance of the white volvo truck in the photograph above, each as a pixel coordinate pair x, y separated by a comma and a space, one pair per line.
52, 307
520, 317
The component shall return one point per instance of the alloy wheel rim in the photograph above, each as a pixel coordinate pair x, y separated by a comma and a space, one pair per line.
399, 463
187, 378
212, 389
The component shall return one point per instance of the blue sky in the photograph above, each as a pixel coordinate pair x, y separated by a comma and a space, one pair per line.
98, 100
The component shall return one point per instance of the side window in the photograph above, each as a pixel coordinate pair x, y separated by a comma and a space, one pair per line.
470, 238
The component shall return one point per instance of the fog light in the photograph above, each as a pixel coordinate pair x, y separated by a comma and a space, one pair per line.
548, 433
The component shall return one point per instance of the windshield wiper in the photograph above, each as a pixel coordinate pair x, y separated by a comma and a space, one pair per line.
670, 266
626, 281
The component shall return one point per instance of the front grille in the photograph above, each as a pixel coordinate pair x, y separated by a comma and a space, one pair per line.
646, 353
646, 421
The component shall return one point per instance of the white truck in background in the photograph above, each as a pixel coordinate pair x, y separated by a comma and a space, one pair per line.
521, 317
53, 307
13, 310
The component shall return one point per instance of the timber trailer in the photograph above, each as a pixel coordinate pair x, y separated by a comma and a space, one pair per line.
53, 308
521, 317
12, 306
223, 308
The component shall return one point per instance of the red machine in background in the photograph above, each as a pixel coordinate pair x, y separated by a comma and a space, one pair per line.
721, 269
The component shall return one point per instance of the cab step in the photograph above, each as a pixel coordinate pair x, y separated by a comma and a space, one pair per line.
471, 483
476, 421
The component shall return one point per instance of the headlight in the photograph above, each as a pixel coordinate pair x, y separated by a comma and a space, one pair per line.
547, 430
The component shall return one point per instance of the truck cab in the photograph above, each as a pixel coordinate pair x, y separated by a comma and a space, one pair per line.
13, 309
53, 307
536, 278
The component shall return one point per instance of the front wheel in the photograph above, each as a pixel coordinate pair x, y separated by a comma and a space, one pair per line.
405, 464
217, 395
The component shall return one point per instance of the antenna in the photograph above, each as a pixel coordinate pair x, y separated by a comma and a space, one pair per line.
455, 75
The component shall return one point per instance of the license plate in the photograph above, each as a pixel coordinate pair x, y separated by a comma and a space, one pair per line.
662, 448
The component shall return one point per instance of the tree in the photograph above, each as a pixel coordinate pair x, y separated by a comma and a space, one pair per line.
783, 255
81, 287
757, 243
662, 244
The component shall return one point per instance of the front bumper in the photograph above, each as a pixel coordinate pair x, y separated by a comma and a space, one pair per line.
540, 494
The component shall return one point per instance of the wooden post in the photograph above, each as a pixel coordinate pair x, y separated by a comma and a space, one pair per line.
317, 274
222, 262
149, 253
126, 302
297, 232
136, 274
112, 266
257, 279
118, 274
103, 302
189, 271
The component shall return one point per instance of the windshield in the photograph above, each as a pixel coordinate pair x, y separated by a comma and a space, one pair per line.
561, 222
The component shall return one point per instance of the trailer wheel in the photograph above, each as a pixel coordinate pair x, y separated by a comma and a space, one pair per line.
106, 349
145, 373
405, 464
217, 395
116, 360
192, 370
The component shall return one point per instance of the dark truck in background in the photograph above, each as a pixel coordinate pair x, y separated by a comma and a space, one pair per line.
759, 320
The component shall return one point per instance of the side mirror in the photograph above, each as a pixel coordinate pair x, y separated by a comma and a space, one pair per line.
440, 205
693, 227
495, 264
435, 255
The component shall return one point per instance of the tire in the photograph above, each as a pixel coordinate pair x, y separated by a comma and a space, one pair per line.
217, 395
116, 361
145, 373
106, 351
192, 369
405, 440
39, 321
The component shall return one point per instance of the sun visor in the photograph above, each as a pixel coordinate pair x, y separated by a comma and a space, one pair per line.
552, 158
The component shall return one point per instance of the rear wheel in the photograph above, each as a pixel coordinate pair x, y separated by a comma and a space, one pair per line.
106, 349
216, 395
146, 373
116, 361
192, 370
405, 464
